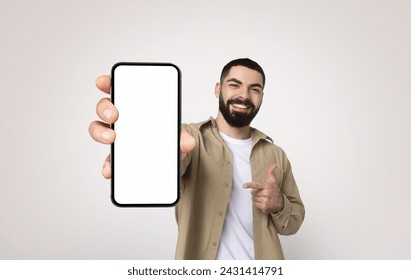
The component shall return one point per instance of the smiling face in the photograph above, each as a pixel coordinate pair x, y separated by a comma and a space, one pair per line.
240, 96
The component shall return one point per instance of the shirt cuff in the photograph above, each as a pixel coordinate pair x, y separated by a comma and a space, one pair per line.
281, 218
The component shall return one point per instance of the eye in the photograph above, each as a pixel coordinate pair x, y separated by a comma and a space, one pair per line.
234, 85
256, 90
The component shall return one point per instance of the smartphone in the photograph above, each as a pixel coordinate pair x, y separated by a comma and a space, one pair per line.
145, 156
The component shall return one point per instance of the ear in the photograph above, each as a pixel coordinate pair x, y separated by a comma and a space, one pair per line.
217, 90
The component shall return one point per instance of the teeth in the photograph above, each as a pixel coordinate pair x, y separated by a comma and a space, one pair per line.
240, 106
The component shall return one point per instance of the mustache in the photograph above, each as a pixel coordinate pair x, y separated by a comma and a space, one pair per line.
246, 102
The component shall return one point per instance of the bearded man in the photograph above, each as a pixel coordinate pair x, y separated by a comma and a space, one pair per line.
238, 192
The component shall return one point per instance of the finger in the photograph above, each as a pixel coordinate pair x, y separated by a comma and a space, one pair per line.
187, 142
103, 83
270, 173
253, 185
260, 193
107, 111
263, 206
255, 192
101, 132
259, 205
107, 168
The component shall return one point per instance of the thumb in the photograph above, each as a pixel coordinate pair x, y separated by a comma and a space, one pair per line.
103, 83
187, 143
270, 173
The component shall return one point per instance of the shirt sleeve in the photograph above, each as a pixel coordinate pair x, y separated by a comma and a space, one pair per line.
289, 220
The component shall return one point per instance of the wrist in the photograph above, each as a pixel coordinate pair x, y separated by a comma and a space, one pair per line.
280, 208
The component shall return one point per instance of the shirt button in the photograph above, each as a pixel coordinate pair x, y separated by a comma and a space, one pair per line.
220, 213
214, 244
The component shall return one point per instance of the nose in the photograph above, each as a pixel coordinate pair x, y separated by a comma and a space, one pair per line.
244, 93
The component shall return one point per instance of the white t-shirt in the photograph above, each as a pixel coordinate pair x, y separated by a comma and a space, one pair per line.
237, 237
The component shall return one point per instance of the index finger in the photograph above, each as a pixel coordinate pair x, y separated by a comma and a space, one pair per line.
253, 185
103, 83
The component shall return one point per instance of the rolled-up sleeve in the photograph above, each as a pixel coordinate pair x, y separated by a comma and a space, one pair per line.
289, 220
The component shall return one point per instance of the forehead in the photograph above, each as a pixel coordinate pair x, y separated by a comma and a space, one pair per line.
245, 75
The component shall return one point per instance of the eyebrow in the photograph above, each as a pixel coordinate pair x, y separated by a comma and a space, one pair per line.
239, 82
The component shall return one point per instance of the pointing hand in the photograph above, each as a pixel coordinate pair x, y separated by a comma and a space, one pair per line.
267, 196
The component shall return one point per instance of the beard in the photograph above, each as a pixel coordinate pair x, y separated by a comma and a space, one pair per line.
234, 118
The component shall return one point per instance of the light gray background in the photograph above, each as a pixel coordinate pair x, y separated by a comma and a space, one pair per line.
337, 100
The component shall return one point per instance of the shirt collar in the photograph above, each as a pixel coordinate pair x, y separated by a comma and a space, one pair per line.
257, 135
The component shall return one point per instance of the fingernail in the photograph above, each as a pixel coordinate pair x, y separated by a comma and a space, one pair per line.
108, 113
105, 135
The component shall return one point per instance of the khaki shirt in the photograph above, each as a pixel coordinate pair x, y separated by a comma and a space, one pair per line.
206, 182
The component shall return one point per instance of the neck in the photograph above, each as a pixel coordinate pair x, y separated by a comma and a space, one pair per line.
233, 132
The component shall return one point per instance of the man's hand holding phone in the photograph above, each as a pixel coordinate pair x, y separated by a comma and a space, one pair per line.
101, 132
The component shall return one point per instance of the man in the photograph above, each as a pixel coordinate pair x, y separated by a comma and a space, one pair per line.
238, 192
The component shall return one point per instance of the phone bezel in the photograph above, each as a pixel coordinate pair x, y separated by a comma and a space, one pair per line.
112, 155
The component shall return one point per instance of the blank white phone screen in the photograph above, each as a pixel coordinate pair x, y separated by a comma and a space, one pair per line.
145, 154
